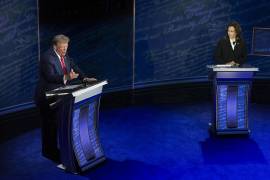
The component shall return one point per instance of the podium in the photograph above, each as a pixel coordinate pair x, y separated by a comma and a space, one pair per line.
77, 116
231, 87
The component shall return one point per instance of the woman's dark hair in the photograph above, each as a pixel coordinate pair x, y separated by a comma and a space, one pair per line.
237, 28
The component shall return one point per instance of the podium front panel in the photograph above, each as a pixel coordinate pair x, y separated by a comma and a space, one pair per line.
232, 86
78, 114
232, 106
85, 141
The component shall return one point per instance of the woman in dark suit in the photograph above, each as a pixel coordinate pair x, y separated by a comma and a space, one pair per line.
231, 49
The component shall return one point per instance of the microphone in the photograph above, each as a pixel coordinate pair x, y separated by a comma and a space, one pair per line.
234, 43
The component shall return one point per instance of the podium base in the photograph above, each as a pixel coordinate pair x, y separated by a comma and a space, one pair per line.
228, 131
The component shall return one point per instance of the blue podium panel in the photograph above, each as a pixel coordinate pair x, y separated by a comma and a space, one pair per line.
231, 93
78, 114
85, 141
232, 107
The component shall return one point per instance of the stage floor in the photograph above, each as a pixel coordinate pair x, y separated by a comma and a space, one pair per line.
157, 141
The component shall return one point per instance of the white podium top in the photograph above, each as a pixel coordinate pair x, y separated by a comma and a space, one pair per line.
82, 94
89, 91
229, 68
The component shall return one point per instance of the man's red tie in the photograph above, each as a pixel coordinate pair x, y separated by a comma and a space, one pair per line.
63, 65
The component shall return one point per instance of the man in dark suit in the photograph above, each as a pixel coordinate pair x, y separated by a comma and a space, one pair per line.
231, 49
56, 69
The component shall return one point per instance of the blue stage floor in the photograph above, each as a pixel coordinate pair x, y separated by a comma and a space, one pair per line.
155, 142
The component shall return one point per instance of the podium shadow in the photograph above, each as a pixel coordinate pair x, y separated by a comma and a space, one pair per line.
231, 150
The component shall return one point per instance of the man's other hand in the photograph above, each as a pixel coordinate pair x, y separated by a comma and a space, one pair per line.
89, 80
73, 75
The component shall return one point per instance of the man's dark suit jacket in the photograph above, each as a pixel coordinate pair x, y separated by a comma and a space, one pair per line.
51, 73
224, 52
51, 76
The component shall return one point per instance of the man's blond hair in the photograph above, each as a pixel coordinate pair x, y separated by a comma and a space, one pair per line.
60, 38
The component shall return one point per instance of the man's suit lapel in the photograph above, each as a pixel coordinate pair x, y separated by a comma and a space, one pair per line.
57, 63
67, 64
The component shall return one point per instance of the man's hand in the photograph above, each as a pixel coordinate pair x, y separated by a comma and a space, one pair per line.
73, 75
89, 80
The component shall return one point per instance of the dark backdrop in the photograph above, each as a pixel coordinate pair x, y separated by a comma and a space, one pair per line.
101, 36
174, 40
18, 51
